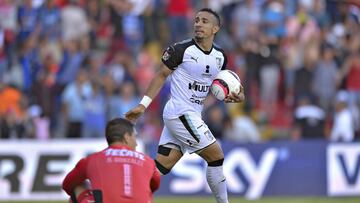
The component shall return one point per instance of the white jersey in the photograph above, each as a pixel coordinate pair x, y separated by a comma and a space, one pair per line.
194, 71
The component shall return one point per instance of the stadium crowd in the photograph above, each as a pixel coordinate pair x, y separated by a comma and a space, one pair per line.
69, 66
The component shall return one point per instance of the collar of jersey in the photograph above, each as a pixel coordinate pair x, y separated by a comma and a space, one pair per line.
119, 146
205, 52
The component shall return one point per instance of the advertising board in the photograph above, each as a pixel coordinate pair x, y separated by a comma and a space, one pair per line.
31, 170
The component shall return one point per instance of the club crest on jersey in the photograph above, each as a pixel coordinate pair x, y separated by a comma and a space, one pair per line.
218, 62
166, 56
208, 135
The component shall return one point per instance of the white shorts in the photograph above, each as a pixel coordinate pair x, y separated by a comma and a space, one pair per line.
189, 132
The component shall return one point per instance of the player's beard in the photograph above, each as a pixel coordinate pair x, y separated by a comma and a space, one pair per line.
199, 38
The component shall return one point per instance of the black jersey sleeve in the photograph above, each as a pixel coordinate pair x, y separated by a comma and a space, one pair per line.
223, 67
225, 61
173, 56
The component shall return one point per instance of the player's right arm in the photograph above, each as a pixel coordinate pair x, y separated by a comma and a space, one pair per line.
158, 81
171, 59
154, 88
75, 177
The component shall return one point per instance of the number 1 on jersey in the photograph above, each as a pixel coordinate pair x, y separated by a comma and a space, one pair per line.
128, 187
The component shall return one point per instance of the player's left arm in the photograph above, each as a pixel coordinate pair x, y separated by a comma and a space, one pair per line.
75, 177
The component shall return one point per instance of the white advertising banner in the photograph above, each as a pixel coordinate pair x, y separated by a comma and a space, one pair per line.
343, 169
32, 170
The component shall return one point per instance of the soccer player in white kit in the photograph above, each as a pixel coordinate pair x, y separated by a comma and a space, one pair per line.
192, 65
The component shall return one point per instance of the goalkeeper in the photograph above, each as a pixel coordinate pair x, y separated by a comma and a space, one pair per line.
117, 173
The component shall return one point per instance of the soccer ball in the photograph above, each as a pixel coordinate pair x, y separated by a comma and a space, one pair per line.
224, 83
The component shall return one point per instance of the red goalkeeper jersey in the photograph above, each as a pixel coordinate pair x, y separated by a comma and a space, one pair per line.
123, 175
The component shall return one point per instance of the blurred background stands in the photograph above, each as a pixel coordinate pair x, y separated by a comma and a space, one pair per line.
68, 66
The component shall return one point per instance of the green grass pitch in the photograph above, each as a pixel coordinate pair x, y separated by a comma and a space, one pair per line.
236, 200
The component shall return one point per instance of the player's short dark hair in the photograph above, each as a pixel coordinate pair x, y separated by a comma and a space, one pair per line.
214, 13
117, 128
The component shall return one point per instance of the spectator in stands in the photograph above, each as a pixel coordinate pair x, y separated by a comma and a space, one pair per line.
252, 60
273, 19
73, 103
151, 128
96, 27
94, 112
146, 69
351, 72
293, 55
3, 58
44, 90
28, 18
128, 97
245, 20
325, 78
319, 14
214, 117
9, 25
309, 120
243, 129
94, 13
12, 112
303, 83
343, 127
30, 62
178, 21
38, 123
123, 100
74, 23
269, 76
10, 98
73, 58
133, 26
50, 20
302, 25
120, 68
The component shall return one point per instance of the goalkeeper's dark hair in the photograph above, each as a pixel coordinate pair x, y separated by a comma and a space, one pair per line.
209, 10
117, 128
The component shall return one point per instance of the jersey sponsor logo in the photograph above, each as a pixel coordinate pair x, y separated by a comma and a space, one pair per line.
197, 101
124, 152
198, 87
